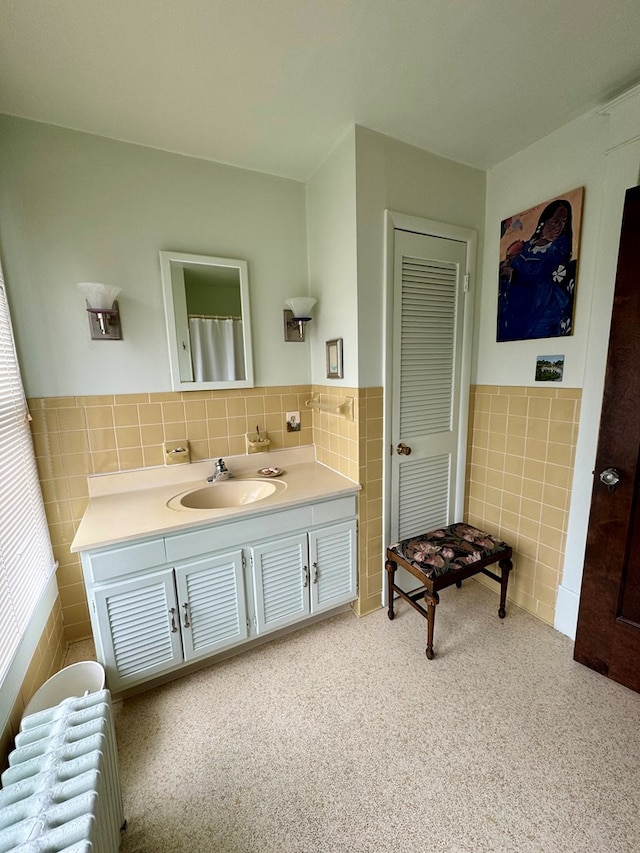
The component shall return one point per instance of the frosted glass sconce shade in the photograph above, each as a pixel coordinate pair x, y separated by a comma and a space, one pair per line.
104, 314
301, 306
296, 318
99, 296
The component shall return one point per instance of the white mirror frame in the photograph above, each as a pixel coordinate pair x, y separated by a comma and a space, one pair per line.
175, 348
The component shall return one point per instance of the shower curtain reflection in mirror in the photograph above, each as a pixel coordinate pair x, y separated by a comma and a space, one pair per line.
217, 348
206, 300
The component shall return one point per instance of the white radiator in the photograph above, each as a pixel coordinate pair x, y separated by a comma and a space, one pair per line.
61, 792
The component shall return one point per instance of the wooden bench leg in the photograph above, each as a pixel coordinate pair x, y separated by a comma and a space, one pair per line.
432, 600
391, 567
505, 566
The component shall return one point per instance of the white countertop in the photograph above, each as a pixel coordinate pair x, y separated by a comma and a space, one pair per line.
134, 504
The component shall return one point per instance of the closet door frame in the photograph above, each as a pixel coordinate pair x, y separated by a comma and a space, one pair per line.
395, 221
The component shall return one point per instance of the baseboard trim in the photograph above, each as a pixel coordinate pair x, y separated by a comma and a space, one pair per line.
567, 606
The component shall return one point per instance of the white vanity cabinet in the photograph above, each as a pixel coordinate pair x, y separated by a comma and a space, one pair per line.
280, 574
212, 605
333, 558
159, 620
160, 604
135, 625
299, 576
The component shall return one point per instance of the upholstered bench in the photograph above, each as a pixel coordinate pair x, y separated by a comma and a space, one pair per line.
441, 558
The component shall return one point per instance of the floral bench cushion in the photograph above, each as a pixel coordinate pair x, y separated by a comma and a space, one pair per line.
448, 549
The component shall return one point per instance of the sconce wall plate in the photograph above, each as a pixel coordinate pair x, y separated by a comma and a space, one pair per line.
294, 327
103, 310
296, 317
104, 324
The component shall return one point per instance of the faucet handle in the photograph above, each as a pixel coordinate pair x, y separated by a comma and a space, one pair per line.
221, 472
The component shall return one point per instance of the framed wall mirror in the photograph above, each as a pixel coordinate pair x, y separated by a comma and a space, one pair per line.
206, 301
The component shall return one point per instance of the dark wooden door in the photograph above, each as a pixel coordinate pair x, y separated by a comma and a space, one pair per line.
608, 634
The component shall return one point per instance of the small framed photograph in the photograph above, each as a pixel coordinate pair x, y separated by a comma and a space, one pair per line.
549, 368
334, 359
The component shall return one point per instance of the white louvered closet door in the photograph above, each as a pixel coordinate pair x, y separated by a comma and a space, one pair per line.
428, 313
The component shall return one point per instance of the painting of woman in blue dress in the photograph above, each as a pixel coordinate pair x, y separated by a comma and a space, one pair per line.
537, 274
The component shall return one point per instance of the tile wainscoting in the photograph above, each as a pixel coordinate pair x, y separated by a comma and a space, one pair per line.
47, 659
521, 454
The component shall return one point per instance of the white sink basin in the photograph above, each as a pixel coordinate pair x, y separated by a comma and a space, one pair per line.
225, 494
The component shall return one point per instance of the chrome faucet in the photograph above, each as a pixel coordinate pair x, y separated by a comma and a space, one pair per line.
221, 472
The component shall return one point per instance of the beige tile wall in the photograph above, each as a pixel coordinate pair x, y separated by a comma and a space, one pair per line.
521, 454
354, 448
47, 659
337, 437
370, 500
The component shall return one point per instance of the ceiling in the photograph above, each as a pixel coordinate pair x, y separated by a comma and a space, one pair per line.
274, 85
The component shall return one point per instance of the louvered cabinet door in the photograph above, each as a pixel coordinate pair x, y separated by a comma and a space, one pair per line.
332, 552
427, 361
139, 628
211, 600
280, 571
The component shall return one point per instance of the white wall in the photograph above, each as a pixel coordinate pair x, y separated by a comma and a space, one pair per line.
76, 207
346, 199
331, 234
600, 151
396, 176
570, 158
622, 170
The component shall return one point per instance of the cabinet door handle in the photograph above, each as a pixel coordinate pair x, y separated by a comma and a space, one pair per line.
305, 572
186, 615
174, 627
315, 573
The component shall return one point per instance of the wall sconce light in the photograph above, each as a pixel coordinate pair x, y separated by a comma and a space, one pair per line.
104, 314
297, 316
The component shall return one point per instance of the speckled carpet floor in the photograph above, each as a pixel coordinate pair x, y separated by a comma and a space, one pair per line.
343, 737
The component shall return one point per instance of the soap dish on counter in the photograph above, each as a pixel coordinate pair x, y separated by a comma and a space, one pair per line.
270, 472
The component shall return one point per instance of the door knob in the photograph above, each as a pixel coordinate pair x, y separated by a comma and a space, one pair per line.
610, 477
403, 450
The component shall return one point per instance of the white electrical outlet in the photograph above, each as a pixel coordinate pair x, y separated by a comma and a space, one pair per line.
293, 421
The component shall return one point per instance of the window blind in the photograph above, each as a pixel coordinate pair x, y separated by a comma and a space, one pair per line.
26, 559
